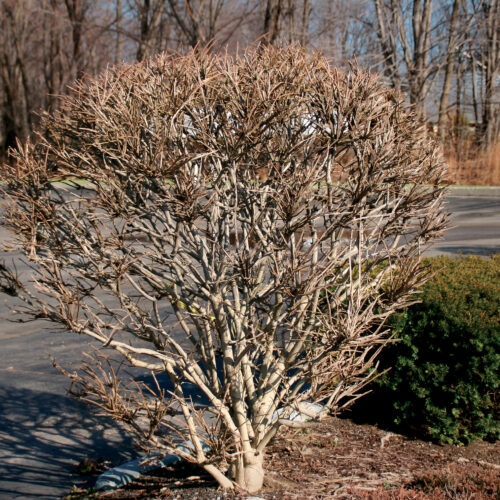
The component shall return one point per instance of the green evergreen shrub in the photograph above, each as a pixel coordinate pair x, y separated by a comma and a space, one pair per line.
444, 376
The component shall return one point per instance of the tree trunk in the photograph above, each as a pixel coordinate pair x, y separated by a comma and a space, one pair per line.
474, 94
305, 22
77, 11
490, 108
450, 58
421, 23
386, 37
119, 33
249, 471
271, 21
149, 13
14, 84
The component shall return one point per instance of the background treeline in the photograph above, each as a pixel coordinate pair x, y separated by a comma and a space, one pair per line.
443, 54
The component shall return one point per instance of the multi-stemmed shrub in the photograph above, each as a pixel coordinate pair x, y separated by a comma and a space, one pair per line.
225, 228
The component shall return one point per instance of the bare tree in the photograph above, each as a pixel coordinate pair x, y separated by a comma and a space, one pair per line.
77, 11
246, 227
54, 55
196, 19
14, 31
286, 21
491, 63
418, 60
448, 71
296, 21
405, 30
45, 45
181, 24
149, 14
344, 30
387, 33
272, 18
119, 31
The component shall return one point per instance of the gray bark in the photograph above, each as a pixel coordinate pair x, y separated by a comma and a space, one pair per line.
448, 74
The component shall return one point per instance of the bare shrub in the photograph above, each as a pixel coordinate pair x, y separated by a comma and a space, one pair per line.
244, 226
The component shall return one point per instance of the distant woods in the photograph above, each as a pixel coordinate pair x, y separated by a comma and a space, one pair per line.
443, 54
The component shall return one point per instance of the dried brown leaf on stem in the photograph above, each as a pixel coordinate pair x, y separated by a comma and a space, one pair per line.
244, 226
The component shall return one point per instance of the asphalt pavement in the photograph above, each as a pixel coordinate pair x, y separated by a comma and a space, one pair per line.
44, 433
474, 227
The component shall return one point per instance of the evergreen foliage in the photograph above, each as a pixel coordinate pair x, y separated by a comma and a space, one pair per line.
444, 370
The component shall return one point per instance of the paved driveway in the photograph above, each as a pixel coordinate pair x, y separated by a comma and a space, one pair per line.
44, 433
474, 227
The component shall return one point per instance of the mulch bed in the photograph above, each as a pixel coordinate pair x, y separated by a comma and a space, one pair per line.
337, 458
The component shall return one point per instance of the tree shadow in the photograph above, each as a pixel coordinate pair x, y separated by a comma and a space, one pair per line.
44, 436
483, 251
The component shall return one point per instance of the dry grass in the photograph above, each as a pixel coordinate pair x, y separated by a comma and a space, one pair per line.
469, 164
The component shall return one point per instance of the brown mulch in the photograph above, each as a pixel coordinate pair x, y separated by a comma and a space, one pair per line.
337, 458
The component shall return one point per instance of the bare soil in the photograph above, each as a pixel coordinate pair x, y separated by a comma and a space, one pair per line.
337, 458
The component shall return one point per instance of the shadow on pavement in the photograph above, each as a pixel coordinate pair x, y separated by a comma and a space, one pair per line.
43, 436
484, 251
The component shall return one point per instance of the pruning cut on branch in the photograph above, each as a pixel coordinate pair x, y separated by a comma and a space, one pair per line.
240, 225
